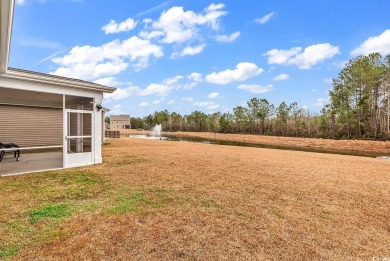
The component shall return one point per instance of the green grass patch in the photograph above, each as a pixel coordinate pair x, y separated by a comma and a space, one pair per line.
49, 211
139, 201
129, 203
8, 252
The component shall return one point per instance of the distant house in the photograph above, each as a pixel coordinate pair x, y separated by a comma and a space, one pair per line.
120, 122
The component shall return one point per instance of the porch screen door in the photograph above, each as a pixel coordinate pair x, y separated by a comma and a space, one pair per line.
78, 138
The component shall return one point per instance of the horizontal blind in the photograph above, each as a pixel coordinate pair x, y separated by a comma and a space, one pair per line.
30, 126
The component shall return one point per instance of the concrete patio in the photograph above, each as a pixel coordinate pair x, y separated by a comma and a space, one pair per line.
30, 162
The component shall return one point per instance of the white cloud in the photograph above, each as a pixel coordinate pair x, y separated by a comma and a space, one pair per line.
171, 102
178, 26
242, 72
144, 104
213, 107
227, 38
255, 88
121, 93
90, 62
156, 102
185, 83
116, 109
305, 59
380, 43
214, 7
281, 77
213, 95
173, 80
81, 54
152, 89
187, 99
156, 89
20, 2
320, 102
276, 56
203, 104
190, 50
107, 81
208, 105
89, 71
196, 77
112, 27
265, 19
150, 35
189, 86
314, 54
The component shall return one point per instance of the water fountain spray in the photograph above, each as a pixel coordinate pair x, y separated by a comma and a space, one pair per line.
157, 131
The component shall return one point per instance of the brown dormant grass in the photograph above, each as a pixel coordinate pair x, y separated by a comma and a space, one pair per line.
163, 200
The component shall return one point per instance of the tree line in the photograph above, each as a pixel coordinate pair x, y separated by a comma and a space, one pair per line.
359, 107
259, 117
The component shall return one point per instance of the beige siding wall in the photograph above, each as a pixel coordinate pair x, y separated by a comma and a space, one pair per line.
30, 126
118, 125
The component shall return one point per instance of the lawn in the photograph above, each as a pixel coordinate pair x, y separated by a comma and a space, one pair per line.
183, 201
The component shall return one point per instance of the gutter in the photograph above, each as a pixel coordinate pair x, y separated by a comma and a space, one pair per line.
22, 75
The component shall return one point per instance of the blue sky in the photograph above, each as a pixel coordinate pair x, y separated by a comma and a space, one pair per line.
199, 55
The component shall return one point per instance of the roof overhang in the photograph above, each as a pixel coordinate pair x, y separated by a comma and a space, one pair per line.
6, 18
35, 77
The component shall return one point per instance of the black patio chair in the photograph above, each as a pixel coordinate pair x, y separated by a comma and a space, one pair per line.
16, 150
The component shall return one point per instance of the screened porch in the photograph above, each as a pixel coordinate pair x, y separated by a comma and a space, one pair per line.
49, 131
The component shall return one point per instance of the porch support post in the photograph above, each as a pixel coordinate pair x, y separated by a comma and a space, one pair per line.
97, 132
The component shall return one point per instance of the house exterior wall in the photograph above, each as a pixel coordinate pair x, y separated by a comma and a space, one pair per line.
119, 125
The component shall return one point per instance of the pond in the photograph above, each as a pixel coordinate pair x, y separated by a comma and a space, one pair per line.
256, 145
